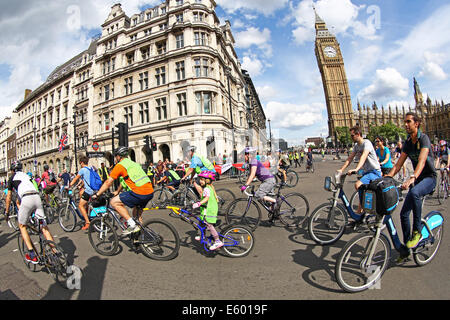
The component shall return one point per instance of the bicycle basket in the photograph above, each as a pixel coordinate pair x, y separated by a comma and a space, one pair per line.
385, 195
99, 202
327, 184
95, 212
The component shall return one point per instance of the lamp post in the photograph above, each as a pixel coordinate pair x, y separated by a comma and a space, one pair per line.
74, 122
228, 72
341, 97
270, 136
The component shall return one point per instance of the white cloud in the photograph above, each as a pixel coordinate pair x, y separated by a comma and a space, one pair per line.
255, 37
432, 69
362, 60
266, 7
293, 117
253, 65
388, 84
266, 92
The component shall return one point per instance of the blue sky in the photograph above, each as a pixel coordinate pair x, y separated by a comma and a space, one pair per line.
385, 43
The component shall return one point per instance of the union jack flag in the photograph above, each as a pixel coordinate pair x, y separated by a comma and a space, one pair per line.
62, 142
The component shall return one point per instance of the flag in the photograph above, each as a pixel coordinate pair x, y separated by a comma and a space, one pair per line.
63, 142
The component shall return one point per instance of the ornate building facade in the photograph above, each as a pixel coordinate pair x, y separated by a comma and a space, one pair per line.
435, 116
170, 72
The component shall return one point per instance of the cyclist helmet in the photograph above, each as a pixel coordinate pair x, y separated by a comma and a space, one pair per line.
207, 175
279, 150
249, 150
121, 151
46, 167
442, 143
16, 166
30, 174
169, 166
192, 148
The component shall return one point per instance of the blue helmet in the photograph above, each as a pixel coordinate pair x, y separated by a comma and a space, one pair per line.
30, 174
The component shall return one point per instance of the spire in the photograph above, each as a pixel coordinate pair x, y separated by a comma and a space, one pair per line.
417, 94
321, 27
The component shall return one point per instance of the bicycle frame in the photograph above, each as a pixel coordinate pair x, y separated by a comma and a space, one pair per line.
339, 193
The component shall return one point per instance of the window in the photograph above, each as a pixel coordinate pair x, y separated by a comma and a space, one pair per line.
161, 108
204, 102
106, 88
179, 17
161, 47
145, 53
130, 58
144, 112
202, 67
143, 80
148, 32
182, 106
180, 70
160, 76
200, 38
200, 16
149, 15
163, 10
180, 41
128, 85
133, 37
135, 21
106, 121
108, 66
129, 116
179, 2
162, 26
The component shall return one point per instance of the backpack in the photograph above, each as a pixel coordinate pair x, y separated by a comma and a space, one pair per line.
95, 180
381, 196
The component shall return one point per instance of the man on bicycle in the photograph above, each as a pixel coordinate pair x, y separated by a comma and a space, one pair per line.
442, 158
137, 180
283, 163
50, 181
418, 148
368, 161
198, 164
258, 170
30, 202
171, 177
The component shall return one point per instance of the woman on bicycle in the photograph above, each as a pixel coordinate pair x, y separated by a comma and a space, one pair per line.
208, 213
384, 155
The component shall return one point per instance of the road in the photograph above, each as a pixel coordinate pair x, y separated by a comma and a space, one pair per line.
284, 265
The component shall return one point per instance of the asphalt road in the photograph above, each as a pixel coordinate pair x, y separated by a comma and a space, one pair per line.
284, 264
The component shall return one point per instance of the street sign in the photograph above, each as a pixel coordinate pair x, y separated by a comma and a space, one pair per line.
95, 146
95, 154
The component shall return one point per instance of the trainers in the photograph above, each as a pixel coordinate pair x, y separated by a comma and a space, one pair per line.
31, 257
130, 230
85, 227
197, 238
216, 245
414, 241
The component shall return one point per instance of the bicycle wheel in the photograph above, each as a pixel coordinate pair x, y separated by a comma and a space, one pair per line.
291, 179
67, 218
12, 222
23, 249
160, 198
294, 210
55, 262
103, 237
353, 273
50, 214
238, 241
159, 240
425, 252
354, 202
243, 176
240, 212
327, 225
225, 198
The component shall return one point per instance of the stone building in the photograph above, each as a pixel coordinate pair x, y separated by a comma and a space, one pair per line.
170, 72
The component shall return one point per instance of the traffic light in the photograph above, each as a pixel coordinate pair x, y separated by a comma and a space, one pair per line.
123, 134
154, 146
147, 144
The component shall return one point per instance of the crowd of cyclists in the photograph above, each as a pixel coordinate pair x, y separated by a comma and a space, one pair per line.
133, 187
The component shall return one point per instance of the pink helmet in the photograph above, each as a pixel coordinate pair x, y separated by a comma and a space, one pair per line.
207, 175
443, 143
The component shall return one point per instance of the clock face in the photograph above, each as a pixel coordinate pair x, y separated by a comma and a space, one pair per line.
330, 52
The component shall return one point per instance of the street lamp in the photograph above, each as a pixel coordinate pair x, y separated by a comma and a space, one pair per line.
74, 122
341, 97
228, 72
270, 136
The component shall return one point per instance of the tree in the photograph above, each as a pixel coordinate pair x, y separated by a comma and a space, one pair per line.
343, 135
389, 131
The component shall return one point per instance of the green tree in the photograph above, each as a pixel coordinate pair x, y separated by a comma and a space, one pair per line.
343, 135
389, 131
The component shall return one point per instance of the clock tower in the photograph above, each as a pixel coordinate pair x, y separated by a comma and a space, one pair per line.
334, 79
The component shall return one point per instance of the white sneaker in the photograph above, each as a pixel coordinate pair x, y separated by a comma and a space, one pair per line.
216, 245
197, 238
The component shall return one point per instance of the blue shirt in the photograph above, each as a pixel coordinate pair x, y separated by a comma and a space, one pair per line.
85, 174
383, 157
197, 162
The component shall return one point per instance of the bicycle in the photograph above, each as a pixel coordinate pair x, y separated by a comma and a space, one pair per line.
238, 240
443, 186
291, 177
329, 219
310, 166
50, 255
12, 216
294, 209
157, 238
365, 258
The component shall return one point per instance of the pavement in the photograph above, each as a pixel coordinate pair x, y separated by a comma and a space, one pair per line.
285, 264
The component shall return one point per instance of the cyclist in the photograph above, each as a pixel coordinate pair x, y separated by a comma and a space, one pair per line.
171, 177
418, 148
283, 163
442, 157
50, 181
384, 155
309, 158
30, 202
137, 180
65, 178
258, 170
85, 175
198, 164
208, 214
368, 161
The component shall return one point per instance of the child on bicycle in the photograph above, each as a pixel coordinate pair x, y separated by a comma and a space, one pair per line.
208, 213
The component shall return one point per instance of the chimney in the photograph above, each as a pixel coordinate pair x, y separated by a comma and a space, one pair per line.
27, 93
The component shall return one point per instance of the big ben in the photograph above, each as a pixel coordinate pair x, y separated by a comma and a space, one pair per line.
335, 85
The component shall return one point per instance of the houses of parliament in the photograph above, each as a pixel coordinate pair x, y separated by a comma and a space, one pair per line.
435, 115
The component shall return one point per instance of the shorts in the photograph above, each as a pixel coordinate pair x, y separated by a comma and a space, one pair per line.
265, 188
131, 199
174, 184
369, 176
86, 196
50, 189
28, 205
